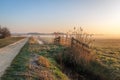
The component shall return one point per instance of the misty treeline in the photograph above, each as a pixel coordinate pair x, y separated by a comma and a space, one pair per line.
4, 32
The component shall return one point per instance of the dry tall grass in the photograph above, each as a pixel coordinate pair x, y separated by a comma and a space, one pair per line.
79, 54
81, 44
80, 35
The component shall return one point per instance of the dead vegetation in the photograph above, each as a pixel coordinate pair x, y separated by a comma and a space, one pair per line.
39, 68
80, 43
43, 62
32, 40
79, 56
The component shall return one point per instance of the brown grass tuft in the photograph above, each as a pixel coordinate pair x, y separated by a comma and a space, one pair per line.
43, 62
32, 40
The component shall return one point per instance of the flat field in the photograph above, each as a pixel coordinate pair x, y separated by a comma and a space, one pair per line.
108, 54
7, 41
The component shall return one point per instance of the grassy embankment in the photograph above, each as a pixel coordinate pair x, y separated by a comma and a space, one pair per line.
6, 41
84, 70
90, 66
77, 68
104, 65
38, 61
101, 64
35, 62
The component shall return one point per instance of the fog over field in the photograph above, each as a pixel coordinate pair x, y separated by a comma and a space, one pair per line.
107, 36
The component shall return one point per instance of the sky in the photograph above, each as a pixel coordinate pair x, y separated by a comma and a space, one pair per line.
94, 16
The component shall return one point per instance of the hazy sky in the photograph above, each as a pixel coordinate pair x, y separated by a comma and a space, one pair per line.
95, 16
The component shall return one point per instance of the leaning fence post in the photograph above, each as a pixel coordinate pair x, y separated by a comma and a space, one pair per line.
59, 40
72, 42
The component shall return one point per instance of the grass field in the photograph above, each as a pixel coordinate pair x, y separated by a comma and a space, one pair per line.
108, 54
40, 60
35, 62
9, 40
105, 64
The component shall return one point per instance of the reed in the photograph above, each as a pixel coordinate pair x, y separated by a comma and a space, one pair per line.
79, 55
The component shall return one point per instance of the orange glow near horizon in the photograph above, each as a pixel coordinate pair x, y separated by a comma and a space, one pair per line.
94, 16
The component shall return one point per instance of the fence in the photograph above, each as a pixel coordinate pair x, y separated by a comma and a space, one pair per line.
57, 40
75, 44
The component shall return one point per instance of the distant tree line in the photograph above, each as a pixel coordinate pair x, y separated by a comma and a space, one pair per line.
4, 32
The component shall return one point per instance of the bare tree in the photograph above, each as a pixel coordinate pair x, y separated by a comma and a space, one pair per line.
4, 32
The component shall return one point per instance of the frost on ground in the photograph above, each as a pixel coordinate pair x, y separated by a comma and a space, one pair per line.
8, 53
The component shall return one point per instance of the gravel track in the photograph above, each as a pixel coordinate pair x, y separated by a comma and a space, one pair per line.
8, 53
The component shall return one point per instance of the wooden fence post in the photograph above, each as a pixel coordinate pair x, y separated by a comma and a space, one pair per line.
72, 41
59, 39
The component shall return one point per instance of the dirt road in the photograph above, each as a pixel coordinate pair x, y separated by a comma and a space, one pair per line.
8, 53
